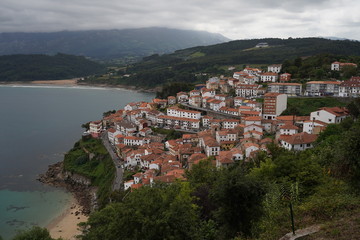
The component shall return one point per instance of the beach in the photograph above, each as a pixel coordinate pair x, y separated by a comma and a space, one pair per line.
66, 225
75, 82
70, 82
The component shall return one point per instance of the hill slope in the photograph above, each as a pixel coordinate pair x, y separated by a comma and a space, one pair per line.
106, 44
43, 67
157, 69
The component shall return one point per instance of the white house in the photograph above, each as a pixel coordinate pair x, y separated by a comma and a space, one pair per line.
95, 128
330, 114
275, 68
269, 77
310, 126
249, 148
247, 90
298, 142
230, 123
183, 113
350, 88
288, 129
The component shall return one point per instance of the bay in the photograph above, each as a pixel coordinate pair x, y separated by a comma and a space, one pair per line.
38, 124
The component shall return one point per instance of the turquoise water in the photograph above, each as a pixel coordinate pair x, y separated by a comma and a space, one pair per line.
38, 124
21, 210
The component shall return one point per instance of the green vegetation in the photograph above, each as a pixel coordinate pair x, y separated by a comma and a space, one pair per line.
194, 64
35, 233
304, 106
43, 67
171, 89
169, 133
90, 159
248, 200
319, 67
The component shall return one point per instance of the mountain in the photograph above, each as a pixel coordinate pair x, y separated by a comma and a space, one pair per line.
107, 44
183, 65
44, 67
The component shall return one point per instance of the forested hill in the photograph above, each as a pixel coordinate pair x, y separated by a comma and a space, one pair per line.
127, 44
182, 64
44, 67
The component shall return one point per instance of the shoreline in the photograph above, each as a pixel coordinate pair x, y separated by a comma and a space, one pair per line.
66, 224
74, 83
79, 208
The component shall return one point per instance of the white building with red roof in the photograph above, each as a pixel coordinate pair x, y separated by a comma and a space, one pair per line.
330, 114
337, 66
269, 77
275, 68
183, 113
288, 129
298, 142
350, 88
95, 128
322, 88
314, 126
247, 90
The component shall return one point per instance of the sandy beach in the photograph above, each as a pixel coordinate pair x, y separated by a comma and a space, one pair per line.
65, 225
56, 82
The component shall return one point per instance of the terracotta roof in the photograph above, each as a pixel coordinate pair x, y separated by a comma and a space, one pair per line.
247, 145
284, 84
337, 111
289, 126
253, 118
178, 118
272, 94
112, 130
324, 82
269, 74
299, 138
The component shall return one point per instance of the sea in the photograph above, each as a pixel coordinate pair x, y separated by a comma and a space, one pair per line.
38, 125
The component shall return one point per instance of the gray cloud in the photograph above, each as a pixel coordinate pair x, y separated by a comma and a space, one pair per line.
233, 18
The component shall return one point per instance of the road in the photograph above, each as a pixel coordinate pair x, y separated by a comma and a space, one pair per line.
118, 181
210, 111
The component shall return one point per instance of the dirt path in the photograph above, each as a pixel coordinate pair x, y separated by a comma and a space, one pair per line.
301, 233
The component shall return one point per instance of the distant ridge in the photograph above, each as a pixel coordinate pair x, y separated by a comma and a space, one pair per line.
107, 44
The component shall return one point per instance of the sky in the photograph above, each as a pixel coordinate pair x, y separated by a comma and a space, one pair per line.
235, 19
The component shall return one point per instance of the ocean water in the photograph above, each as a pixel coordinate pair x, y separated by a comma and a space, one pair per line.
38, 124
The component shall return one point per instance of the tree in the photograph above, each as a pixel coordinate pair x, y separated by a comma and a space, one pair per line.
349, 71
238, 199
158, 212
35, 233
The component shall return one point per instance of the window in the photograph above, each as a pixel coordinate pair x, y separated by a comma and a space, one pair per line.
329, 120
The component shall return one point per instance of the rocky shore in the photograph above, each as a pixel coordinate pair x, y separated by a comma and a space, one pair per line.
82, 191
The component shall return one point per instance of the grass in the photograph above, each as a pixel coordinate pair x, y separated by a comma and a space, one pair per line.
197, 54
100, 168
333, 206
307, 105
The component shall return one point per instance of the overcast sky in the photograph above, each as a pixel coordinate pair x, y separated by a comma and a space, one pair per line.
235, 19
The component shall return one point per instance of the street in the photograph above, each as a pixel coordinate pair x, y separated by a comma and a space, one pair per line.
118, 181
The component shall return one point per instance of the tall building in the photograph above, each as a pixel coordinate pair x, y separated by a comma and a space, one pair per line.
274, 105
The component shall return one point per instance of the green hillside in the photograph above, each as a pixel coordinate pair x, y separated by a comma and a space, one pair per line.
44, 67
184, 64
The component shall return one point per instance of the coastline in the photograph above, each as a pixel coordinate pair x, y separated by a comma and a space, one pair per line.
66, 225
79, 208
75, 82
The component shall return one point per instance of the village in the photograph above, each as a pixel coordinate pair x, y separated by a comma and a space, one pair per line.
219, 120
